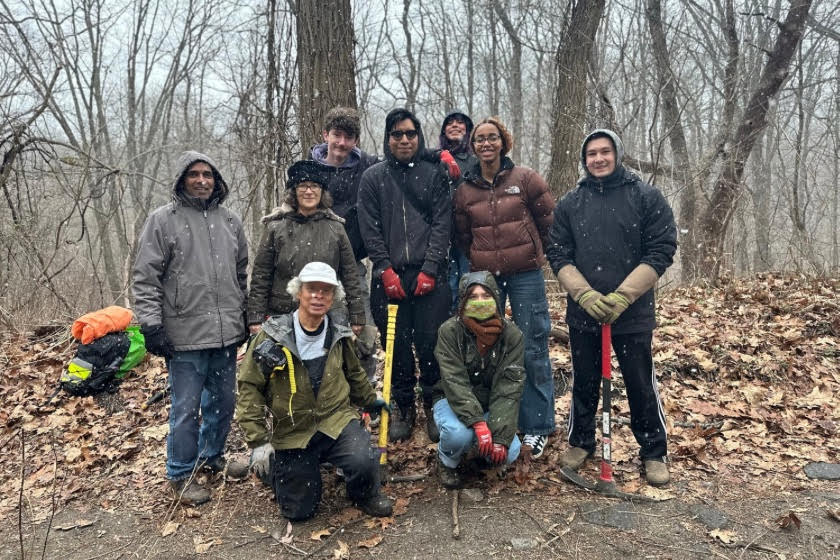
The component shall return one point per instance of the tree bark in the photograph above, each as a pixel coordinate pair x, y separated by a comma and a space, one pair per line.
715, 220
326, 65
569, 111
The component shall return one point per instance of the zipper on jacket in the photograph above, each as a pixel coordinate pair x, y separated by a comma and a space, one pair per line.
405, 222
215, 278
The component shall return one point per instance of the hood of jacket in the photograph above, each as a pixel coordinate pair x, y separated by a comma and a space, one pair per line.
395, 116
220, 187
482, 278
319, 154
619, 154
285, 210
462, 147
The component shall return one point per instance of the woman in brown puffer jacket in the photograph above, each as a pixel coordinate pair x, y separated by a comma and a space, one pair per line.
503, 213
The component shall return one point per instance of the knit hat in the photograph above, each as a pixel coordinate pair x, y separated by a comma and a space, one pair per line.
307, 170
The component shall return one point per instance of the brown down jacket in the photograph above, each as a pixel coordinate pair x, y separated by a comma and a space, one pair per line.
503, 227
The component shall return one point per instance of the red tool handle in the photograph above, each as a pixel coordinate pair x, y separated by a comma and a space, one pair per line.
606, 387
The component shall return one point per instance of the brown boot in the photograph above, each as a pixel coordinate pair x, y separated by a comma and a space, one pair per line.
233, 470
189, 492
656, 472
574, 457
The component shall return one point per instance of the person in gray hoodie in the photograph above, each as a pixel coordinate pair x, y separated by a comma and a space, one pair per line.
189, 287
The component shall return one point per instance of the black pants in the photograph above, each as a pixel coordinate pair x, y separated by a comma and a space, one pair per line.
418, 321
296, 473
647, 418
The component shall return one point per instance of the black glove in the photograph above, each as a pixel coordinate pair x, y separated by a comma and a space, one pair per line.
377, 406
156, 341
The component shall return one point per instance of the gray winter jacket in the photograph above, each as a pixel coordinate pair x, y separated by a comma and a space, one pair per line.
190, 274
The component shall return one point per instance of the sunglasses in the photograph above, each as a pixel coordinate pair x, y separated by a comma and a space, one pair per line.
398, 134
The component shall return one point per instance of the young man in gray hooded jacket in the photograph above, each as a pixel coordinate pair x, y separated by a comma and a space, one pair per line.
615, 235
190, 285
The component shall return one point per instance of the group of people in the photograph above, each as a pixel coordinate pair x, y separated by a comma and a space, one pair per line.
451, 235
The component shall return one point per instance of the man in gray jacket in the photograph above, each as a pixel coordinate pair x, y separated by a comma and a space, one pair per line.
190, 283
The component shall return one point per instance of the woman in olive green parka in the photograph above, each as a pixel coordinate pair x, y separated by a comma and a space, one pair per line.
481, 357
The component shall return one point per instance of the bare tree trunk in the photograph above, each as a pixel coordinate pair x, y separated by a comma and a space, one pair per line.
470, 58
569, 111
514, 81
715, 220
326, 65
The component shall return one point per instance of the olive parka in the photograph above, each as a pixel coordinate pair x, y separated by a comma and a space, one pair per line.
297, 415
474, 384
291, 241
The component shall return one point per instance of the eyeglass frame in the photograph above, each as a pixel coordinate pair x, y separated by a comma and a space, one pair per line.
489, 139
313, 187
398, 134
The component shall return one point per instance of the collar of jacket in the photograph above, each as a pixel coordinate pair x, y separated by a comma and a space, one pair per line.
281, 330
286, 211
617, 178
474, 176
183, 199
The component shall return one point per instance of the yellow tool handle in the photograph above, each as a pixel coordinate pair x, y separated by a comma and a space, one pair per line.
386, 382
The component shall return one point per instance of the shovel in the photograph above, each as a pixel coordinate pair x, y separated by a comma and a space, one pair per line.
606, 483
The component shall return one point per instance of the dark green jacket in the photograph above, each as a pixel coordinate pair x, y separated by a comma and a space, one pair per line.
297, 417
474, 384
291, 241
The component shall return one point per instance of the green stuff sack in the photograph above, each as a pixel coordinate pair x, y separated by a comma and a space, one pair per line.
136, 352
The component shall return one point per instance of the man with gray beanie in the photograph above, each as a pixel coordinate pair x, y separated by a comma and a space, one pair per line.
614, 236
190, 285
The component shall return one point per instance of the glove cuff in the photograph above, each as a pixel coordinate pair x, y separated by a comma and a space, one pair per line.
573, 281
638, 282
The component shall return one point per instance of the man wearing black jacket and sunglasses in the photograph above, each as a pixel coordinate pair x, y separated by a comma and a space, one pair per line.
405, 219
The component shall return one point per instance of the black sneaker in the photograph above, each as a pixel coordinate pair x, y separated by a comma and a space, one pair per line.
537, 444
401, 423
376, 506
448, 476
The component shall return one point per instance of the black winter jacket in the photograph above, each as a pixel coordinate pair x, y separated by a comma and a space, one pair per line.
607, 228
409, 232
343, 185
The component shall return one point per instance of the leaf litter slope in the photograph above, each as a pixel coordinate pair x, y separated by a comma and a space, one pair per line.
748, 374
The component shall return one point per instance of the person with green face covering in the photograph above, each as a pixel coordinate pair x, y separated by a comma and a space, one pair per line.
482, 373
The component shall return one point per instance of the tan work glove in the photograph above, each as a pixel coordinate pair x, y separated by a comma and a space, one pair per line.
582, 293
638, 282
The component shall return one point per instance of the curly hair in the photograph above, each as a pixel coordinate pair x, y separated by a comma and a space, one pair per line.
507, 137
325, 202
345, 119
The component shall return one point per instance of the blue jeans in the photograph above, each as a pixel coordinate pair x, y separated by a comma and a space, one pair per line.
459, 265
457, 438
530, 313
202, 381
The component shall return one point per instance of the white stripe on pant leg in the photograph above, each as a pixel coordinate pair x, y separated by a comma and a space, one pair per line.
570, 422
659, 407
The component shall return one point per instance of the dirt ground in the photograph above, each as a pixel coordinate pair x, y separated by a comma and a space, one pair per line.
724, 516
749, 375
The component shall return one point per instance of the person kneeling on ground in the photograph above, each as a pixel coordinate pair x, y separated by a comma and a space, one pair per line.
303, 366
481, 357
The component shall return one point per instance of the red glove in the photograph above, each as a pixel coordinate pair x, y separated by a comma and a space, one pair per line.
425, 284
454, 170
485, 438
393, 286
499, 454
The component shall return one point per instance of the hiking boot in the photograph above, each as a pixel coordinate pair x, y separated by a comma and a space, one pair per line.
376, 506
449, 477
574, 457
401, 423
189, 492
656, 472
431, 425
234, 470
537, 444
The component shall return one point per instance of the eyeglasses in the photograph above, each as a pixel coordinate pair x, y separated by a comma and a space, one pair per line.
303, 188
491, 138
398, 134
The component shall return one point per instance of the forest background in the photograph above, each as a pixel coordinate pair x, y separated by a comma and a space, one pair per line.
730, 107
